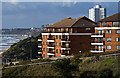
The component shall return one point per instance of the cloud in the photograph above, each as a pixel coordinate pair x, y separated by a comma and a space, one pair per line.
14, 2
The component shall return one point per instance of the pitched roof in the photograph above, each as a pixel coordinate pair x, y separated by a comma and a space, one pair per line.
69, 22
112, 18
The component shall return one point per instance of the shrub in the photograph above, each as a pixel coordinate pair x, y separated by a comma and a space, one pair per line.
11, 64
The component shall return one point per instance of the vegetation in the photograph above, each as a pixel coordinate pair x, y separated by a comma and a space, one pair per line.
105, 67
23, 50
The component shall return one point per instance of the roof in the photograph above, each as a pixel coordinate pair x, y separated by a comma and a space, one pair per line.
78, 22
112, 18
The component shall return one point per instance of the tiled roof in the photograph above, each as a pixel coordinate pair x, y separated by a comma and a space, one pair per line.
112, 18
69, 22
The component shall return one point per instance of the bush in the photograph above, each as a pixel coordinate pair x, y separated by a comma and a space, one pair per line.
11, 64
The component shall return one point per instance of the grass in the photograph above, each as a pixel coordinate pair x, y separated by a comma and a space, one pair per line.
104, 67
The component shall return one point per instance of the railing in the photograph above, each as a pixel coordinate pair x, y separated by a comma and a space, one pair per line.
101, 41
98, 33
65, 53
98, 49
51, 38
51, 45
65, 46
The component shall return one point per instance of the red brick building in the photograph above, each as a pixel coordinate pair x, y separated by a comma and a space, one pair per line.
67, 37
107, 35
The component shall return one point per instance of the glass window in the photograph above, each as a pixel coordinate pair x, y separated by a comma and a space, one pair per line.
44, 55
103, 23
47, 49
56, 44
56, 50
118, 47
43, 49
60, 51
118, 39
43, 43
59, 44
70, 29
43, 36
56, 37
87, 28
108, 31
59, 37
46, 43
118, 31
116, 23
59, 30
51, 29
108, 39
108, 47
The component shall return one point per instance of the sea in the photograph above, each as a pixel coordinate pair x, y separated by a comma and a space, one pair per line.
6, 40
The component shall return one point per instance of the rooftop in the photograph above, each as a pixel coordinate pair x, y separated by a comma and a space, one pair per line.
77, 22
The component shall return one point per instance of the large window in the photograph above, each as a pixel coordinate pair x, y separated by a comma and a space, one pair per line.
56, 44
56, 50
59, 44
43, 36
51, 29
118, 47
103, 23
116, 23
47, 49
117, 31
43, 43
59, 37
108, 47
43, 49
118, 39
108, 31
56, 37
108, 39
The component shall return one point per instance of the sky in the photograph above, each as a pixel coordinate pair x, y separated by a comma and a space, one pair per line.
35, 14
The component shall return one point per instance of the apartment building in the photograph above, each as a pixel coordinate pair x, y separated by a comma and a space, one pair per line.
107, 35
96, 13
67, 37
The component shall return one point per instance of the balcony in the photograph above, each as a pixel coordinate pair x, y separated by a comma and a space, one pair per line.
39, 52
39, 39
51, 38
65, 53
65, 46
99, 50
97, 35
51, 45
97, 42
40, 45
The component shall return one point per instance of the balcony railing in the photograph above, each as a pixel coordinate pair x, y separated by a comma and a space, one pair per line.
51, 38
51, 45
65, 46
98, 33
101, 41
98, 49
65, 53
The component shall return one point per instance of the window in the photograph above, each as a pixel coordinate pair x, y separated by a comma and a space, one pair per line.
60, 51
108, 47
118, 47
46, 43
59, 30
43, 36
100, 31
63, 29
51, 29
56, 37
43, 49
87, 29
103, 23
100, 39
70, 29
59, 37
43, 43
118, 39
56, 50
117, 31
108, 39
56, 44
44, 55
75, 31
47, 49
59, 44
116, 23
108, 31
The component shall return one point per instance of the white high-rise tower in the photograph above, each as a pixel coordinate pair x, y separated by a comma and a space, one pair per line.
96, 13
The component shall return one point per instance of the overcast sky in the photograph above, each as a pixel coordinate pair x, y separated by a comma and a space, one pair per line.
34, 14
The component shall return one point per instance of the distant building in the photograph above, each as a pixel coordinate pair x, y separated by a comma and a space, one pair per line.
96, 13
